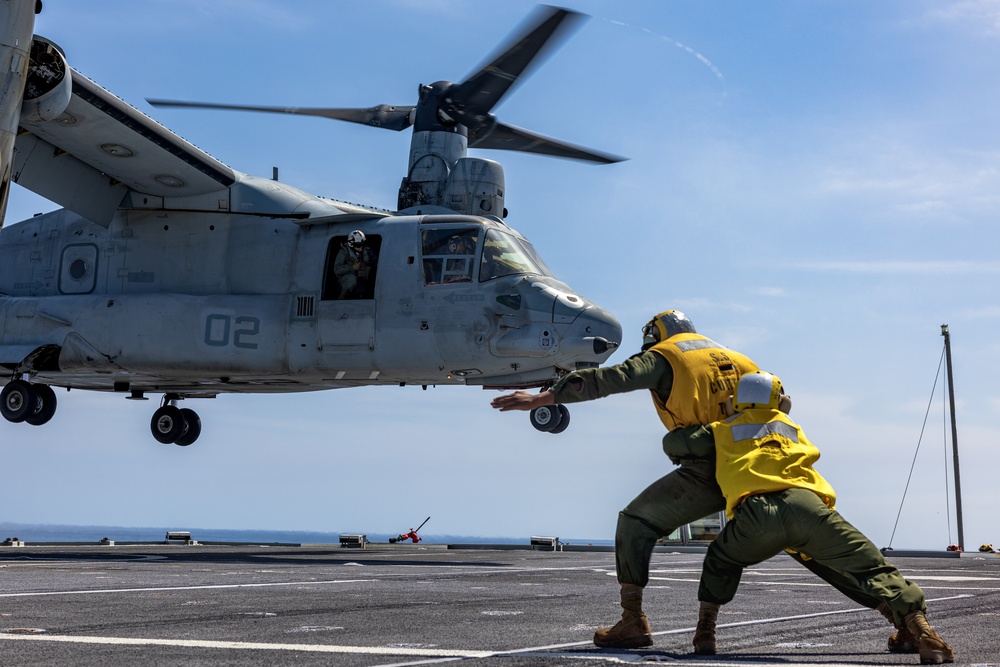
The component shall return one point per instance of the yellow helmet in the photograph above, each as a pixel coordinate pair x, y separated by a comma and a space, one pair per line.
757, 390
663, 326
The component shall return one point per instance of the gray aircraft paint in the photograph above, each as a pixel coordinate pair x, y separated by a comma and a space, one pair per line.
168, 272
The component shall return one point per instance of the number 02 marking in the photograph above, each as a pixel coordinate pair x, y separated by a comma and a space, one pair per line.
220, 331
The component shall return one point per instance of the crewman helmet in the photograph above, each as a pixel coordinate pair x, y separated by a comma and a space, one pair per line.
663, 326
757, 390
356, 238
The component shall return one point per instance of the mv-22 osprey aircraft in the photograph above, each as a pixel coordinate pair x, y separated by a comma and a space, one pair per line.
167, 272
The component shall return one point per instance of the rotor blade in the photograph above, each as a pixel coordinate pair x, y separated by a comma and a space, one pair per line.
507, 137
383, 115
481, 91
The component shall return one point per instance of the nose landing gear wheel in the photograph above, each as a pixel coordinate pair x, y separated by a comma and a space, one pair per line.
564, 420
548, 418
17, 401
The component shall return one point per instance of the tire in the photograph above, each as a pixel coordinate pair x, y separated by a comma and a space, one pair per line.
546, 418
193, 422
45, 405
564, 419
17, 401
167, 424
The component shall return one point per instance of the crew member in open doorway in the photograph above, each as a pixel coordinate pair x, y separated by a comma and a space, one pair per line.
690, 378
354, 267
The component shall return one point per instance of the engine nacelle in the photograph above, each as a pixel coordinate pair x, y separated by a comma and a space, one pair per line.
441, 175
475, 187
49, 86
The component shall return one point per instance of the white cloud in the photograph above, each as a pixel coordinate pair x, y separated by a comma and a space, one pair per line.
896, 267
917, 179
984, 15
989, 312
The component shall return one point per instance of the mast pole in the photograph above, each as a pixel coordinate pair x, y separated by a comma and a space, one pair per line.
954, 436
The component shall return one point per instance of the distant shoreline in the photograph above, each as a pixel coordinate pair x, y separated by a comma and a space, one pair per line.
27, 532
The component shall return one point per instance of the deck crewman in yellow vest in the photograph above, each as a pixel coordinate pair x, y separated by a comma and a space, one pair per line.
776, 501
690, 378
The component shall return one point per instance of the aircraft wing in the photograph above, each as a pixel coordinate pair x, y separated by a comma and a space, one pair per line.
100, 149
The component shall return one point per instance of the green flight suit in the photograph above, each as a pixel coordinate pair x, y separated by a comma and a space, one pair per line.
767, 523
686, 446
688, 493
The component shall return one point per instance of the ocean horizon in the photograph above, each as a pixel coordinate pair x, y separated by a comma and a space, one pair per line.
47, 533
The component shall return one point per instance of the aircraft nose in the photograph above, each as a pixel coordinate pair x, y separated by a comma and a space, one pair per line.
549, 321
595, 335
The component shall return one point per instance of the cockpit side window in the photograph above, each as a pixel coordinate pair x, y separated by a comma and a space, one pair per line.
351, 270
506, 255
448, 255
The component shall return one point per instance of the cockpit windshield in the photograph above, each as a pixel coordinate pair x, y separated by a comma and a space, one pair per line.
505, 255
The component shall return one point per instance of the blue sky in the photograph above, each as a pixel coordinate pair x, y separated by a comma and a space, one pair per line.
815, 184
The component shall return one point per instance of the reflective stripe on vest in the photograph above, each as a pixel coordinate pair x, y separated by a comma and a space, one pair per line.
759, 431
688, 345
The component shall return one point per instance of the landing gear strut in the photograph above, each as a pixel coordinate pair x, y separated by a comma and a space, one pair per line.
550, 418
171, 424
22, 401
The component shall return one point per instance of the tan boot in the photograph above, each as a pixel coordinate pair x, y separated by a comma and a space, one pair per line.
633, 630
933, 650
704, 634
901, 641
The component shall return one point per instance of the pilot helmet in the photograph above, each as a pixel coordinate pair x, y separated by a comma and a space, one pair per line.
663, 326
356, 238
757, 390
456, 243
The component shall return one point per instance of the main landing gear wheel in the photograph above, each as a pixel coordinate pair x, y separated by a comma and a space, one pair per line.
22, 401
167, 424
550, 418
179, 426
17, 401
193, 422
45, 405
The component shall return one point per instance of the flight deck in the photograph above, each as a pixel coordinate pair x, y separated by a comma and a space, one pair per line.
417, 604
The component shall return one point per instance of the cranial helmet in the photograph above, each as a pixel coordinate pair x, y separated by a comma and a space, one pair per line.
757, 390
666, 324
357, 237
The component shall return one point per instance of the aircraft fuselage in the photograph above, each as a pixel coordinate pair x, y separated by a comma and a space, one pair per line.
197, 303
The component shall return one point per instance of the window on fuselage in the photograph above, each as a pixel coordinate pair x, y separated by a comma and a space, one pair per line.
348, 274
448, 255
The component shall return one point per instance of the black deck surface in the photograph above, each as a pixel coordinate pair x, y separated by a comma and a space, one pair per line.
411, 604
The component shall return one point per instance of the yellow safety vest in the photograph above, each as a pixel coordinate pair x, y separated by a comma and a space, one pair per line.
762, 450
705, 375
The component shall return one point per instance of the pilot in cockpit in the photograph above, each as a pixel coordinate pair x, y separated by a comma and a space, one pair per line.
459, 270
459, 245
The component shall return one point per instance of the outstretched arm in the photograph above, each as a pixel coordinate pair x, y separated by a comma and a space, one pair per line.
522, 400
